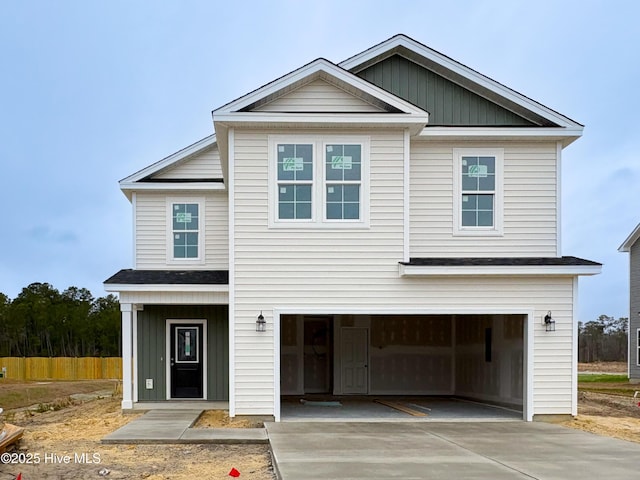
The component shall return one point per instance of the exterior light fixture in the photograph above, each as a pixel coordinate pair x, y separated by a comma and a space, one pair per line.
261, 323
549, 323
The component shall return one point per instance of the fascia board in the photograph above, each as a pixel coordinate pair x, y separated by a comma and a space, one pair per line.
459, 69
474, 270
128, 287
567, 135
138, 186
402, 120
317, 66
631, 239
186, 152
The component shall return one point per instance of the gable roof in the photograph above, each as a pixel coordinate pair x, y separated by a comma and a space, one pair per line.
631, 240
324, 69
464, 76
142, 178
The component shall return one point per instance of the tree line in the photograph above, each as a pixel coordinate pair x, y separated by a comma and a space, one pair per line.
44, 322
603, 340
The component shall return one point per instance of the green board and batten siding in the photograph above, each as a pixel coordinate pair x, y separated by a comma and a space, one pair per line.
448, 103
152, 322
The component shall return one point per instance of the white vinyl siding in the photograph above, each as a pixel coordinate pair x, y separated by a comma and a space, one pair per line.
318, 96
151, 232
529, 203
358, 269
175, 298
205, 165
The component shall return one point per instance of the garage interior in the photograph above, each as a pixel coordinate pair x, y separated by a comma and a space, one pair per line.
414, 366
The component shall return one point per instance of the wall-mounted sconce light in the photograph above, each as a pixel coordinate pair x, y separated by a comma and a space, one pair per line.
549, 323
261, 324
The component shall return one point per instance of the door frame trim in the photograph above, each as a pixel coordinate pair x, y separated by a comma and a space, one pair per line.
168, 325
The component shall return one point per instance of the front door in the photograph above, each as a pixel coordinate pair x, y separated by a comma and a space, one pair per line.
354, 360
186, 360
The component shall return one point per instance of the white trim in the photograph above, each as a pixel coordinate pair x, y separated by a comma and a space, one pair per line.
638, 347
567, 270
200, 259
528, 312
167, 354
498, 196
565, 135
630, 240
186, 152
277, 410
318, 196
574, 350
318, 68
134, 205
559, 199
389, 47
232, 275
172, 186
126, 310
186, 288
406, 197
134, 327
529, 405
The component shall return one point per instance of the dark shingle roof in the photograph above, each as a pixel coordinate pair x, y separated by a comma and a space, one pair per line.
499, 261
170, 277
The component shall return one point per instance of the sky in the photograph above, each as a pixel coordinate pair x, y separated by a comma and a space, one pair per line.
92, 91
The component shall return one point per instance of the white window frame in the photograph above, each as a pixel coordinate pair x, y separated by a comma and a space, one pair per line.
318, 188
498, 201
200, 259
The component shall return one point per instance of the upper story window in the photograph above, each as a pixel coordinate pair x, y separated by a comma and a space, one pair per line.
184, 239
318, 181
478, 203
295, 181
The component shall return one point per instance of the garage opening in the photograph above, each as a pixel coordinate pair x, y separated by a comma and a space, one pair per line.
409, 361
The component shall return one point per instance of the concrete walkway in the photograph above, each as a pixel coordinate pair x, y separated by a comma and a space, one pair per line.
488, 451
174, 426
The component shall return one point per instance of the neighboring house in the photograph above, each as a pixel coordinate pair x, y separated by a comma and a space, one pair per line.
392, 222
632, 246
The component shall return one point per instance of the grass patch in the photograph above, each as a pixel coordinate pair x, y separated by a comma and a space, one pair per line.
601, 378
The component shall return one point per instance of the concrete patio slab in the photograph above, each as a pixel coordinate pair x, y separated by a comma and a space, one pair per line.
424, 450
155, 426
174, 426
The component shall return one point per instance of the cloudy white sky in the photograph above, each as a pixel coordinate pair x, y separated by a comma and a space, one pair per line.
91, 92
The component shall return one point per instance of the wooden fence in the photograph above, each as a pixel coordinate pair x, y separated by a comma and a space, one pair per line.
61, 368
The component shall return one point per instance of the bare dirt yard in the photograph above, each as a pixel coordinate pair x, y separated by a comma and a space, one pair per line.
65, 444
608, 407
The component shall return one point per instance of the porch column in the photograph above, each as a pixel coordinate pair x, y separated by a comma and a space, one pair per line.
127, 353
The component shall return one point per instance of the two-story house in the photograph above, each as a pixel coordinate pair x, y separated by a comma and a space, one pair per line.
388, 225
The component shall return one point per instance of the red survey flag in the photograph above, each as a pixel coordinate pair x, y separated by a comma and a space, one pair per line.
234, 473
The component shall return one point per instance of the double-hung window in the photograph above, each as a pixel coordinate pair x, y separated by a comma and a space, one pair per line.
295, 181
478, 191
318, 181
185, 227
343, 180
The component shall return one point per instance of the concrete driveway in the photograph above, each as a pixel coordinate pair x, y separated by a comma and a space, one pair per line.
489, 451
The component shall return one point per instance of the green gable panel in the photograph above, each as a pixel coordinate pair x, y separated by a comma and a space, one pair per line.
448, 103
